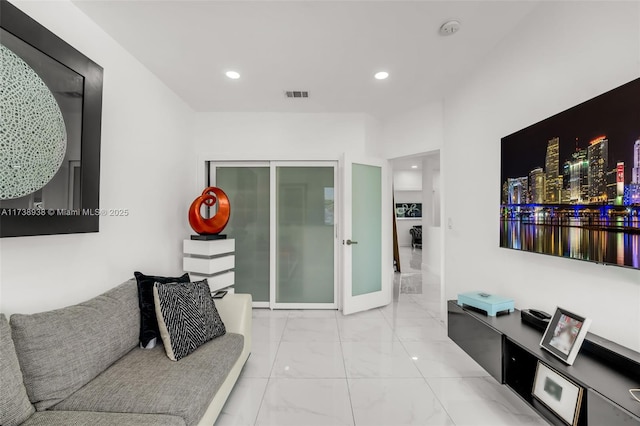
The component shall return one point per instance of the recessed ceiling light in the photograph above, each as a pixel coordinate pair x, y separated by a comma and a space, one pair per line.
233, 75
414, 167
449, 28
381, 75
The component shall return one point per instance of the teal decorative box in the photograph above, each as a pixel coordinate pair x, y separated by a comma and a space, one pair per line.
490, 303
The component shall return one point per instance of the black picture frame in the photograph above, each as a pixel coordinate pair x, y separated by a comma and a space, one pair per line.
86, 219
563, 319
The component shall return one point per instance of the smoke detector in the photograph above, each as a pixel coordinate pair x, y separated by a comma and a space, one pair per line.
449, 28
296, 94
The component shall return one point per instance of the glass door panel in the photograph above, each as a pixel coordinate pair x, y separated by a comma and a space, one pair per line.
366, 229
305, 235
249, 196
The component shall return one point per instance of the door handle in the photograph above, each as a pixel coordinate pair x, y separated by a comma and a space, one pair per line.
349, 242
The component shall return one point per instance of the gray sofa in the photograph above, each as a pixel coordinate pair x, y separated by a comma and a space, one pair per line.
82, 365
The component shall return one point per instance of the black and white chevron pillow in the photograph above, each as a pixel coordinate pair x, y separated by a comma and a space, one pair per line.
187, 316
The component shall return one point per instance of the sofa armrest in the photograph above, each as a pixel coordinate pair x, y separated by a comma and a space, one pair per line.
235, 311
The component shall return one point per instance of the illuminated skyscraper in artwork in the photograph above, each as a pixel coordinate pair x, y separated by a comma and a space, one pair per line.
597, 156
619, 183
634, 186
518, 190
579, 177
536, 185
552, 166
635, 173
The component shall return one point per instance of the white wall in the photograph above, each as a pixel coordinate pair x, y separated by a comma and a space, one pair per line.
407, 180
412, 132
274, 136
146, 138
431, 230
562, 54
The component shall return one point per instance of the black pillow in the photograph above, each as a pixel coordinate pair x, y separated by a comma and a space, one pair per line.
148, 321
187, 317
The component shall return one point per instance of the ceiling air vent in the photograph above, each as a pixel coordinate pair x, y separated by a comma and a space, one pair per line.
296, 94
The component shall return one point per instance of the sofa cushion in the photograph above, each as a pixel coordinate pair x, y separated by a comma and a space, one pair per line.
187, 317
84, 418
146, 381
148, 324
15, 407
60, 351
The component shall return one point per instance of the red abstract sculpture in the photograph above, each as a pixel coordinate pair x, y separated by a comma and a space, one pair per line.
215, 224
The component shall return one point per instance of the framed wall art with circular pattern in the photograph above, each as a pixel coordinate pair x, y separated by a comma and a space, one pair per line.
51, 108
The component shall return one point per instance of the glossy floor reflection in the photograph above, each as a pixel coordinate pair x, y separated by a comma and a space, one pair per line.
389, 366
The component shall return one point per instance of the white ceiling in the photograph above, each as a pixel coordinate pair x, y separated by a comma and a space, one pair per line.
330, 48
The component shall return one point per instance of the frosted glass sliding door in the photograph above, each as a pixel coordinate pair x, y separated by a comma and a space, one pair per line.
248, 190
305, 235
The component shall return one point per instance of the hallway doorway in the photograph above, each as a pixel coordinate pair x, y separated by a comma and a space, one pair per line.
417, 195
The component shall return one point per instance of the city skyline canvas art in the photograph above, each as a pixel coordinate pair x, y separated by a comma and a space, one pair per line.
570, 184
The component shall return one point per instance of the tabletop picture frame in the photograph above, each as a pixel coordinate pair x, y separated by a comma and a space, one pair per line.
557, 393
564, 335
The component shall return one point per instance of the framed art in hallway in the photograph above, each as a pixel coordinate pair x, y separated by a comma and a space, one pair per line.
408, 210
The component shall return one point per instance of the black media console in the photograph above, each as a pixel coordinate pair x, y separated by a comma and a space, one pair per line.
510, 350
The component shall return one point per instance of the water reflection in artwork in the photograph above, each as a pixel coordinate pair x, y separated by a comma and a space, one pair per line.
614, 240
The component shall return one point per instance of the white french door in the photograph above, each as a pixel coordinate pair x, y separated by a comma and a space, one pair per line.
366, 270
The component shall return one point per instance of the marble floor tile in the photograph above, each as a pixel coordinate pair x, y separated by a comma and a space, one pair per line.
378, 359
482, 401
269, 313
370, 315
443, 359
308, 402
401, 298
395, 402
309, 360
410, 259
419, 329
431, 306
310, 330
411, 283
268, 328
406, 309
320, 367
260, 362
313, 313
428, 293
365, 330
241, 408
